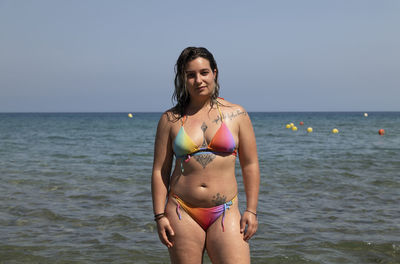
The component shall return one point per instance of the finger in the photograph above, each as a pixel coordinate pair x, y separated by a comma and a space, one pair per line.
170, 232
166, 240
249, 232
162, 233
248, 235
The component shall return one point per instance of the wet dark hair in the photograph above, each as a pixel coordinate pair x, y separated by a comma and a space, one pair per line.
181, 95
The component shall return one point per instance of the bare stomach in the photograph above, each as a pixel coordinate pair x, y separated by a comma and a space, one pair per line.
205, 186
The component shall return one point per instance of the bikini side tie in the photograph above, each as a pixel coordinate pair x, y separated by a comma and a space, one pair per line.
226, 206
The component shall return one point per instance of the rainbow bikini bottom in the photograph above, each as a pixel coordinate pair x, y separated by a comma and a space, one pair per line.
205, 217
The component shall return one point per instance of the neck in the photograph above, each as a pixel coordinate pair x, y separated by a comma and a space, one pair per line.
197, 105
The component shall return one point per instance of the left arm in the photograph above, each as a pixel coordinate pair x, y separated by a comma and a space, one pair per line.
251, 175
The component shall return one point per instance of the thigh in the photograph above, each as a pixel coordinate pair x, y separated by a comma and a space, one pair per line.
189, 239
227, 246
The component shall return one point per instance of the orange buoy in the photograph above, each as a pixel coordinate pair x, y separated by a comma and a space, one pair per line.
381, 132
301, 123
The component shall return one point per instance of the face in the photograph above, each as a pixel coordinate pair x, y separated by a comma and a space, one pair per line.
200, 77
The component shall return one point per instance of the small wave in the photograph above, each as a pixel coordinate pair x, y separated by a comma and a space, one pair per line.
116, 221
130, 155
22, 254
58, 138
386, 183
118, 237
89, 197
366, 252
68, 156
45, 214
29, 182
120, 180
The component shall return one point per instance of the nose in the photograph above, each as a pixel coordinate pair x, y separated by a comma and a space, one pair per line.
198, 79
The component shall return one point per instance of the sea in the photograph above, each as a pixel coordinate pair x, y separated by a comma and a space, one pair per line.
75, 188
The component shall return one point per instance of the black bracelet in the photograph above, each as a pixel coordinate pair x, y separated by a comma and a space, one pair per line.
158, 216
251, 212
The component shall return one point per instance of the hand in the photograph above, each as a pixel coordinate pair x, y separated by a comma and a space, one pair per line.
251, 221
165, 231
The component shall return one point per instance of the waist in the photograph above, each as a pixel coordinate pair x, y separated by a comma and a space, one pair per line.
204, 191
212, 204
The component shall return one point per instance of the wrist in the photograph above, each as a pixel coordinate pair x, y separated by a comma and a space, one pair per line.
158, 216
252, 212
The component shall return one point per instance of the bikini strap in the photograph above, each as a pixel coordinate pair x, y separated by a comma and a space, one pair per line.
220, 113
183, 119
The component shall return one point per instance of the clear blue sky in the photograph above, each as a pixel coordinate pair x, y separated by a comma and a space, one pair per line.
92, 55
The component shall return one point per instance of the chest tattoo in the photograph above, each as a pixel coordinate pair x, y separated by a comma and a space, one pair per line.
204, 158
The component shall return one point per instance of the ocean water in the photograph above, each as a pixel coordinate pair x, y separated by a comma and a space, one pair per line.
75, 188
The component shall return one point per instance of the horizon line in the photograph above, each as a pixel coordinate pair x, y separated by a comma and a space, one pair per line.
258, 111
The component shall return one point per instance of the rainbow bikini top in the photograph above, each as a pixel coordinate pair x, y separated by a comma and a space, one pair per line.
222, 142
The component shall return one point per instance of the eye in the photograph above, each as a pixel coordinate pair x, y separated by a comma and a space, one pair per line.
204, 73
190, 75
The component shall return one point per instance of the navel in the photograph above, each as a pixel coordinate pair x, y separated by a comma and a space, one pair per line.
203, 185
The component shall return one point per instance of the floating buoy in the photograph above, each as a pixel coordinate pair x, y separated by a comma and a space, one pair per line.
335, 131
294, 128
309, 130
366, 114
301, 123
130, 115
288, 126
291, 125
381, 132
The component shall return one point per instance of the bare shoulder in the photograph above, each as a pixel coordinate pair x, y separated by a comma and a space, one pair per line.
168, 119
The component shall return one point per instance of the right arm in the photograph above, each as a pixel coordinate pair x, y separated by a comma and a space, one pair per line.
162, 165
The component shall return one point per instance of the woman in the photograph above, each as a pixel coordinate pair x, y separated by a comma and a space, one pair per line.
197, 207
